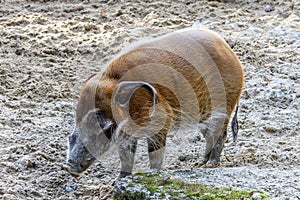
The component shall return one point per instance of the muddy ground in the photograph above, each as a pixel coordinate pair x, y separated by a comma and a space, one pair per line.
48, 49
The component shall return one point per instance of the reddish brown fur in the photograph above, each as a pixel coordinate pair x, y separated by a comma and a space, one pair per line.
102, 86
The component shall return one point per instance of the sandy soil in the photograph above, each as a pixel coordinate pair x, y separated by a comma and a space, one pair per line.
48, 49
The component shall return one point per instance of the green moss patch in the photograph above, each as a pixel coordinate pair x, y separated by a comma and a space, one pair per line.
166, 186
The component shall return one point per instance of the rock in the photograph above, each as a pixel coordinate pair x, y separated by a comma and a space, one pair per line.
276, 94
28, 162
269, 129
256, 196
269, 8
184, 158
31, 164
68, 189
3, 72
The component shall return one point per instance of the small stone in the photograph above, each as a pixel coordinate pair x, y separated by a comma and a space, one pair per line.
74, 186
182, 158
31, 164
256, 196
265, 83
270, 129
269, 8
68, 189
19, 52
2, 72
279, 93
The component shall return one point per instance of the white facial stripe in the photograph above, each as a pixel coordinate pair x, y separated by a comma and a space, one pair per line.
87, 114
68, 150
119, 128
107, 125
68, 146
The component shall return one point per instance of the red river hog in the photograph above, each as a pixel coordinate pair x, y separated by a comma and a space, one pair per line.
186, 79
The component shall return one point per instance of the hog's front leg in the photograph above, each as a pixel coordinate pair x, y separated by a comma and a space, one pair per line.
127, 153
156, 150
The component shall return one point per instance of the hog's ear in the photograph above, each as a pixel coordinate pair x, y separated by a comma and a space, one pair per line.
126, 88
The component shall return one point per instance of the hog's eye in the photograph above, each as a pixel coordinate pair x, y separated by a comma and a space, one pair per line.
100, 118
102, 121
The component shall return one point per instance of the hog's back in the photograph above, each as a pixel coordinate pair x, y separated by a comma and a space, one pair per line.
194, 70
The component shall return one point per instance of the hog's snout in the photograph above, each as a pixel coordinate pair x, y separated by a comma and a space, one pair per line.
79, 166
71, 170
78, 157
74, 166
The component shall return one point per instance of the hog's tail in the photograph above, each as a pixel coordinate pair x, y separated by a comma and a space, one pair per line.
235, 124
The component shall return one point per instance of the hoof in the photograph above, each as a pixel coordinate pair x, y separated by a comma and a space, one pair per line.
123, 174
211, 164
201, 163
69, 169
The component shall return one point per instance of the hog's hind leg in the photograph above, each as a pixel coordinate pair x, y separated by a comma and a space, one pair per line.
215, 134
215, 154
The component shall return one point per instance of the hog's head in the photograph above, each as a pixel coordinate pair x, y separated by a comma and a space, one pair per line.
100, 103
94, 125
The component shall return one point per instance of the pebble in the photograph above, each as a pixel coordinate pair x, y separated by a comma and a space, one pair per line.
68, 189
31, 164
71, 187
277, 93
256, 196
2, 72
269, 8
